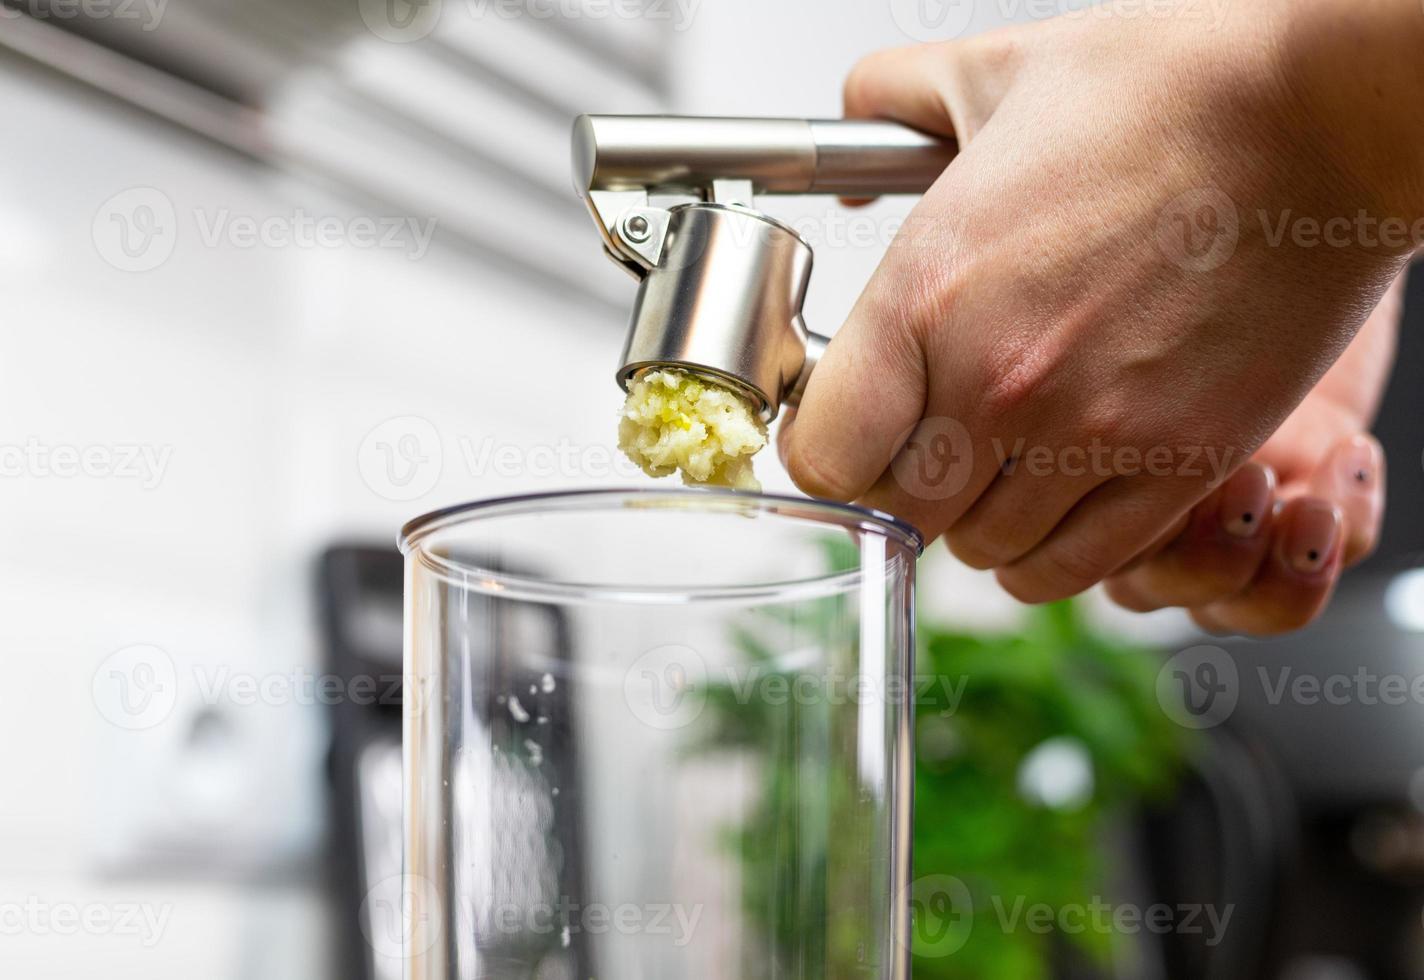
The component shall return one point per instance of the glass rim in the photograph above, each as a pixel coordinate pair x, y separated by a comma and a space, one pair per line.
415, 531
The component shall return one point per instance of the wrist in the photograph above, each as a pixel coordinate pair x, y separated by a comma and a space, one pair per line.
1353, 72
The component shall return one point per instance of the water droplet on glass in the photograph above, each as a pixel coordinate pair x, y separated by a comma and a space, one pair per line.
517, 710
547, 682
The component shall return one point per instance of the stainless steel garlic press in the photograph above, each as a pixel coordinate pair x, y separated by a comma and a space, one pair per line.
721, 283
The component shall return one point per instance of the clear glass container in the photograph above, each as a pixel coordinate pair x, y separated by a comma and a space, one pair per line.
654, 735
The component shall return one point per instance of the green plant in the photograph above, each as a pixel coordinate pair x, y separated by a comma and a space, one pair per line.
990, 701
1054, 679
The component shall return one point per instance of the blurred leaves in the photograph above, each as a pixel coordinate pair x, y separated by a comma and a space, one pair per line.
984, 703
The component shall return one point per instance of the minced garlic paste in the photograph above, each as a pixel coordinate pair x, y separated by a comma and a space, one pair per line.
674, 421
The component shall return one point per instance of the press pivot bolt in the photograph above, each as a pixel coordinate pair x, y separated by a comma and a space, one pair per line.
637, 229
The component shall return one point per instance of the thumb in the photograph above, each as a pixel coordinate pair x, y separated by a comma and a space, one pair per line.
867, 393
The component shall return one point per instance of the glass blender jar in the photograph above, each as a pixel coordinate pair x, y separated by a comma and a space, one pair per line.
656, 734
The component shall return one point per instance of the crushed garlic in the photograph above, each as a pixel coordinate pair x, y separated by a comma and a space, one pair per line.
674, 421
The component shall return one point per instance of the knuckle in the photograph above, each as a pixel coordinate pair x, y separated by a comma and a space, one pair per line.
1123, 592
990, 542
812, 472
1016, 375
992, 51
860, 91
1067, 568
968, 549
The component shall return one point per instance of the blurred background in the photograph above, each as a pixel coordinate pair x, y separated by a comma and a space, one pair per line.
274, 273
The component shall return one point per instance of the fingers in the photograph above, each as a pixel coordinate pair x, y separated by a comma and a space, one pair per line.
1015, 513
1101, 535
1295, 580
899, 84
1215, 555
1272, 575
903, 84
1352, 476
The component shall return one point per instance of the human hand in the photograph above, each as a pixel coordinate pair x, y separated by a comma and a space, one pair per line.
1041, 302
1262, 554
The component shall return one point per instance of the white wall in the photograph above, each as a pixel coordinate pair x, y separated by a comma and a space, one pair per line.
256, 375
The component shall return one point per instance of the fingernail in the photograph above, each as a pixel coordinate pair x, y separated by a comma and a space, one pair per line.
1359, 466
1245, 499
1310, 540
